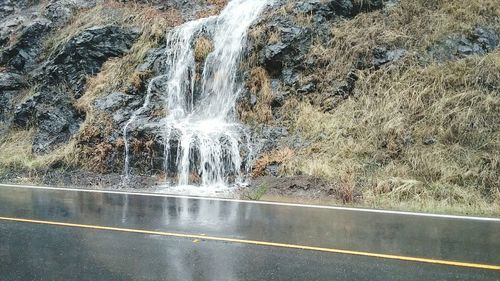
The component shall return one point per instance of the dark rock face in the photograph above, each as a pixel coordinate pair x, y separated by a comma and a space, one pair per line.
285, 58
10, 84
55, 125
268, 137
85, 54
456, 46
60, 11
112, 102
11, 81
382, 56
27, 23
8, 7
51, 112
283, 48
6, 106
23, 54
291, 49
325, 10
51, 109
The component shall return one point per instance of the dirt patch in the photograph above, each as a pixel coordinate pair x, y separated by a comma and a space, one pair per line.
293, 186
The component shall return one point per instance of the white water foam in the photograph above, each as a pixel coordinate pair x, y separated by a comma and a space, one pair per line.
203, 140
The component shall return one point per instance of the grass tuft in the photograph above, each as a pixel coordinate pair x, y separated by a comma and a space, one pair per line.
416, 134
260, 86
274, 157
202, 48
16, 154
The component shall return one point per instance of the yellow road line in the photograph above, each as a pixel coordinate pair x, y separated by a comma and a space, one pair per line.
259, 243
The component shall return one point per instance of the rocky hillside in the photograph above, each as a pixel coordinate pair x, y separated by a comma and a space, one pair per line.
370, 102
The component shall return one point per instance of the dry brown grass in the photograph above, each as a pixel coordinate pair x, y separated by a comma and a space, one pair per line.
216, 7
202, 48
16, 153
413, 25
274, 157
413, 136
116, 75
153, 21
119, 73
260, 86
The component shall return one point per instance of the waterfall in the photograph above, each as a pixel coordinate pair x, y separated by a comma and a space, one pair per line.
202, 138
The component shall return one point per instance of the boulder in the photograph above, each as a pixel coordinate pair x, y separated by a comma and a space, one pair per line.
6, 98
11, 81
112, 102
479, 42
85, 54
325, 10
293, 46
23, 54
52, 113
56, 124
61, 11
383, 56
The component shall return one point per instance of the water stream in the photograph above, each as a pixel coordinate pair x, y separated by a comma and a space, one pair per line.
202, 138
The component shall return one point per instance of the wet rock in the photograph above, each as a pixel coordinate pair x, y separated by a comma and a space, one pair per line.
55, 125
52, 113
289, 52
19, 4
325, 10
85, 54
11, 81
7, 7
306, 89
10, 85
61, 11
6, 106
10, 27
456, 46
267, 138
285, 57
487, 39
253, 100
383, 56
112, 102
151, 60
429, 140
272, 56
24, 53
278, 100
290, 76
272, 170
24, 113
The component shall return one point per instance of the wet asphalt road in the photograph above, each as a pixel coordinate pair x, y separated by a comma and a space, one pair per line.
46, 252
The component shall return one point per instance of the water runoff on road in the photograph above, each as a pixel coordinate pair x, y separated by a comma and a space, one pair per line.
202, 122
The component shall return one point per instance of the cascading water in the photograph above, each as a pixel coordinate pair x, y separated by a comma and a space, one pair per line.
202, 138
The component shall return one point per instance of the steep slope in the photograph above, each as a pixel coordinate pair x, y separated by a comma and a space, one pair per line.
376, 103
